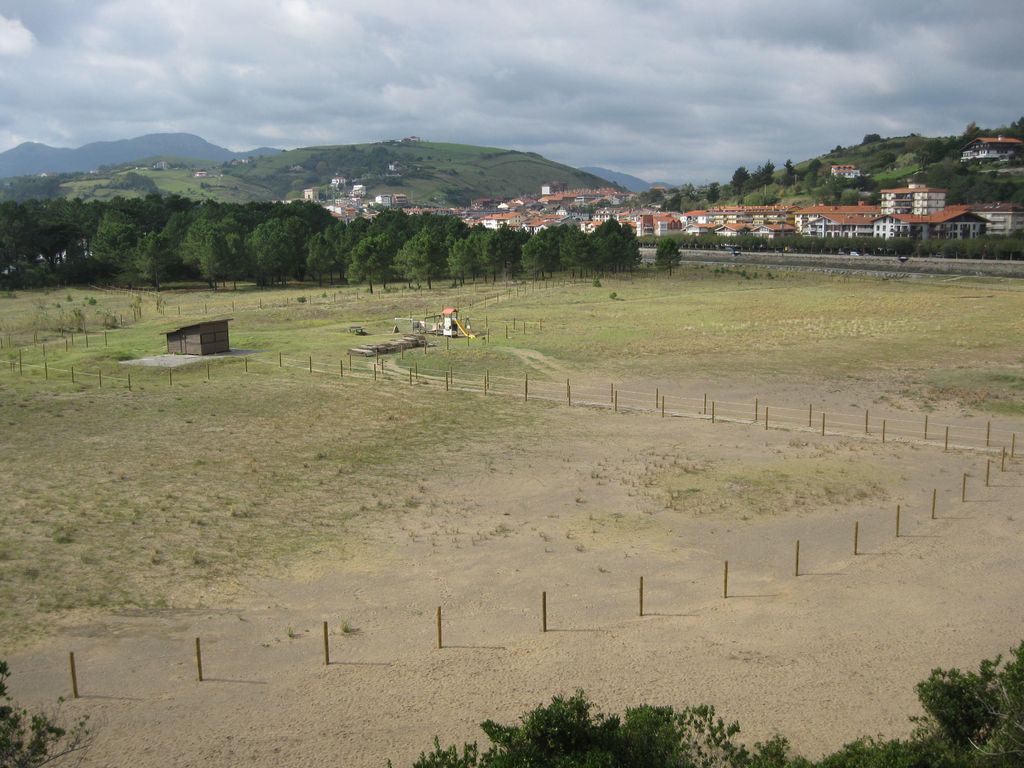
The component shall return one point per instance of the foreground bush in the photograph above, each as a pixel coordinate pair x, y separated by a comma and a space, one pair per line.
972, 719
32, 739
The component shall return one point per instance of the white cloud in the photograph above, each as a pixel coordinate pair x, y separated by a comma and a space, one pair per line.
15, 39
683, 89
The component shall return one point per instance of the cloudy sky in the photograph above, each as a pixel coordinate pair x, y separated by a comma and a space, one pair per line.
683, 90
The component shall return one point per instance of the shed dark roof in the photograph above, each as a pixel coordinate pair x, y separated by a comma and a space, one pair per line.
198, 325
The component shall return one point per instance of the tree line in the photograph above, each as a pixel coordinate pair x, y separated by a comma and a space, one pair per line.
971, 720
159, 239
987, 247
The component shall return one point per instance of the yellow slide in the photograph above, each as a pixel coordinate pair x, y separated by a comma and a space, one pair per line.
463, 330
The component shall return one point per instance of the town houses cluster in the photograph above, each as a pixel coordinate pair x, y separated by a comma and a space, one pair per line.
915, 211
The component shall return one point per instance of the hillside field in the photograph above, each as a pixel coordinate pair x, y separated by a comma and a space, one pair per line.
430, 173
251, 498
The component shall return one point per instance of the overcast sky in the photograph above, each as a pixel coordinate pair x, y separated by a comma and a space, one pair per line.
664, 90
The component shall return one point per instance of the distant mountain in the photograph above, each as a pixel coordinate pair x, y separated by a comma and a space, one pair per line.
32, 158
632, 183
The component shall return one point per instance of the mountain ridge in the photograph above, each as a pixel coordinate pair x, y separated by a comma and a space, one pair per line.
33, 158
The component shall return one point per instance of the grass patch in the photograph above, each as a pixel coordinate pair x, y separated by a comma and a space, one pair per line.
761, 488
996, 391
167, 489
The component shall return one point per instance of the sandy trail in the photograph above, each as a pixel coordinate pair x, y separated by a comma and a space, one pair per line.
581, 514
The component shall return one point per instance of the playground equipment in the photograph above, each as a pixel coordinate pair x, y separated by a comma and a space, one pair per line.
445, 324
450, 325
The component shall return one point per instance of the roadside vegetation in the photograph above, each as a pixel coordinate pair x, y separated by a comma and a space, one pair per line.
972, 720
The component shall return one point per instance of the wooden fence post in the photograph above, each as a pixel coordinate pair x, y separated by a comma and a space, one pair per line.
897, 521
616, 402
810, 415
988, 472
327, 648
705, 403
926, 426
74, 675
883, 430
526, 388
712, 411
199, 660
725, 581
988, 435
945, 445
823, 425
766, 418
935, 494
757, 413
796, 569
963, 489
866, 415
641, 595
543, 611
856, 537
439, 644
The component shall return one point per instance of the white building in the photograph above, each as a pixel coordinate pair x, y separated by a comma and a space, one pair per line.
1001, 218
1000, 148
846, 171
915, 200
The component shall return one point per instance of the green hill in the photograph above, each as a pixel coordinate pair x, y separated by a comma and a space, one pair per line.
883, 162
429, 173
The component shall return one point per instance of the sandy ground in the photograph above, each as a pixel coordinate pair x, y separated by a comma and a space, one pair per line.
180, 361
582, 514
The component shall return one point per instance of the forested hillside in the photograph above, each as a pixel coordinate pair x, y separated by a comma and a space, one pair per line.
883, 162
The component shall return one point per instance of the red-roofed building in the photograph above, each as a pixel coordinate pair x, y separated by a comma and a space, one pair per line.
915, 200
657, 224
1002, 148
1002, 218
772, 231
803, 216
732, 230
498, 220
846, 171
953, 223
842, 225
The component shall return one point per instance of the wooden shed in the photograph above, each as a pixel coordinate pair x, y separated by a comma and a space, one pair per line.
206, 338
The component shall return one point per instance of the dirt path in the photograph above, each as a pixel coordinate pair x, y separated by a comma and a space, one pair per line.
582, 512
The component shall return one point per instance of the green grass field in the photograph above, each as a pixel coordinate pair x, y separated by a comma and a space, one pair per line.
147, 498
